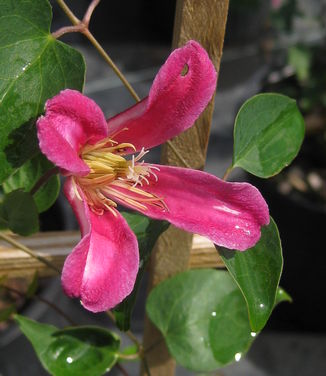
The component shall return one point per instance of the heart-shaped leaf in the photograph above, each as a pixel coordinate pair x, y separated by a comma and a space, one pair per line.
257, 271
33, 67
230, 332
18, 212
147, 231
268, 134
83, 350
203, 318
28, 175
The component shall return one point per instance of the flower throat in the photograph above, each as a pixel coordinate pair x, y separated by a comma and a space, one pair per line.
113, 178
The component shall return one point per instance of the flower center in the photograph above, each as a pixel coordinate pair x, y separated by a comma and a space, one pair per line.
114, 178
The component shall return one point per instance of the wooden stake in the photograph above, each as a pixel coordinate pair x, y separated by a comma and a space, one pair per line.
56, 246
203, 21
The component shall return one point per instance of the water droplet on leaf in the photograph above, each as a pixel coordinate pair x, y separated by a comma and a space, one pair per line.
237, 357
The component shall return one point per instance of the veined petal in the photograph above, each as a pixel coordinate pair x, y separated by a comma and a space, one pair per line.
229, 214
102, 268
71, 120
180, 92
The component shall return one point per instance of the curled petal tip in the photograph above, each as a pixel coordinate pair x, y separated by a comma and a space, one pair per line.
176, 99
70, 121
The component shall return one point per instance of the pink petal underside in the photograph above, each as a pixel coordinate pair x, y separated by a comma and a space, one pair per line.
174, 103
102, 268
229, 214
71, 120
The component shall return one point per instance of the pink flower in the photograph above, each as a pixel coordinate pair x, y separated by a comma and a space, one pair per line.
103, 169
276, 4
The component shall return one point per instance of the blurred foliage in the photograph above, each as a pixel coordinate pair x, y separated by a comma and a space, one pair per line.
298, 63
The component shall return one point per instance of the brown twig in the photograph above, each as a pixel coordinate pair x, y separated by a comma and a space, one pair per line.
107, 58
43, 300
83, 28
122, 370
68, 29
27, 250
89, 12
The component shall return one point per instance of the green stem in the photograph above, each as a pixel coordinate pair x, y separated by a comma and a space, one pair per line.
23, 248
227, 172
107, 58
129, 357
140, 352
43, 179
129, 333
74, 20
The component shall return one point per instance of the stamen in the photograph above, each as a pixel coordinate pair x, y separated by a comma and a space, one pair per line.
141, 154
155, 176
109, 169
118, 132
75, 188
143, 177
135, 204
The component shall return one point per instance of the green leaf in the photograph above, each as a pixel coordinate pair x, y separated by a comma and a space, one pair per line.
22, 144
84, 350
147, 231
195, 310
28, 175
130, 350
19, 212
7, 312
33, 67
282, 296
257, 272
229, 331
40, 335
33, 286
268, 134
300, 58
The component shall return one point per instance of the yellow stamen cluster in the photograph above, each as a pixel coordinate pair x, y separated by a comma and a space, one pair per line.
112, 177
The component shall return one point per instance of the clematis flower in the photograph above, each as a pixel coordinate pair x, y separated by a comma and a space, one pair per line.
104, 165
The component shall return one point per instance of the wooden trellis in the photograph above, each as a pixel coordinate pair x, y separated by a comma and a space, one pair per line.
55, 247
203, 21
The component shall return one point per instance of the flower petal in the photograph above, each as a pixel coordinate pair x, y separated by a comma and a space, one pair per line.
229, 214
71, 120
180, 92
102, 268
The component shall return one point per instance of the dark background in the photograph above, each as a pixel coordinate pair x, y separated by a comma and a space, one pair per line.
137, 35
